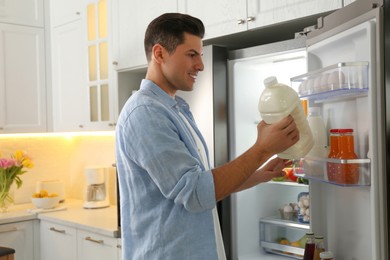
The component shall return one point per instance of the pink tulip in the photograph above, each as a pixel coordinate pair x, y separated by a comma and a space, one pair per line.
6, 163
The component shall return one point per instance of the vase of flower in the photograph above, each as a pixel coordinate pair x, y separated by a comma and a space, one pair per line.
6, 198
10, 171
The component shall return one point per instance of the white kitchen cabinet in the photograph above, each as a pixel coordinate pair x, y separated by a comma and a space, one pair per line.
265, 12
69, 70
227, 17
22, 12
84, 81
22, 79
131, 19
220, 17
119, 246
57, 241
19, 236
95, 246
62, 12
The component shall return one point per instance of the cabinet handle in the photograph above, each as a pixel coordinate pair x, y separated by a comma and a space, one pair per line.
115, 63
77, 13
251, 19
1, 128
240, 21
11, 229
94, 240
119, 246
81, 126
57, 230
112, 124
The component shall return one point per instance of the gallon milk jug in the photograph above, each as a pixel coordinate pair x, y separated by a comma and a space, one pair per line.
278, 101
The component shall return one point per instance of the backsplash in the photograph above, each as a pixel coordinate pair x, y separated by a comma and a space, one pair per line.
61, 157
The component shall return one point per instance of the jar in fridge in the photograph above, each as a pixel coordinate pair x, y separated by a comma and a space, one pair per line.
278, 101
327, 255
319, 247
333, 154
309, 247
348, 173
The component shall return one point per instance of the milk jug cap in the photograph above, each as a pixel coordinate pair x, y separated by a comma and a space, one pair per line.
270, 81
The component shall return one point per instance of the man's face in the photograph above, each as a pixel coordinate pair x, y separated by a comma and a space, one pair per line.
181, 67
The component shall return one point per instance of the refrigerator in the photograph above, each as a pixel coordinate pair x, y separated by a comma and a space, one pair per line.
352, 217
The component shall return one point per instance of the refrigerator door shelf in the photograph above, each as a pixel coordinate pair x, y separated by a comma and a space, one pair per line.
342, 78
318, 169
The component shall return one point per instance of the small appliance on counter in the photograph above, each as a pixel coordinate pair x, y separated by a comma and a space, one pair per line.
52, 187
96, 192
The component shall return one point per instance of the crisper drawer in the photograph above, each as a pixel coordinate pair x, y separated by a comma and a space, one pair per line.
283, 237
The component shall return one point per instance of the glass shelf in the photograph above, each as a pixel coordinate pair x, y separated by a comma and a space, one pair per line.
353, 172
344, 79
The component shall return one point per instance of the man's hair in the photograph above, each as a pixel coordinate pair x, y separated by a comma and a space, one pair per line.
168, 30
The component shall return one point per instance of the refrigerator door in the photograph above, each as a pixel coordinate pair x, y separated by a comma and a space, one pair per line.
352, 217
247, 69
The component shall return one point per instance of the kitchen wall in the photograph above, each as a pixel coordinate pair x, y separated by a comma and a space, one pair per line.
63, 157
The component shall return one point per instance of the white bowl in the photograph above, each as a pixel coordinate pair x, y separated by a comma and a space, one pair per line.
46, 203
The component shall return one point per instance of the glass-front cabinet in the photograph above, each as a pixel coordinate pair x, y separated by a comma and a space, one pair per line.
84, 83
100, 89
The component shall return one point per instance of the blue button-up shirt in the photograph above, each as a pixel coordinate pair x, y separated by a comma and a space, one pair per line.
166, 194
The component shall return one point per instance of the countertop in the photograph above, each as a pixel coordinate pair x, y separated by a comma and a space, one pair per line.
102, 221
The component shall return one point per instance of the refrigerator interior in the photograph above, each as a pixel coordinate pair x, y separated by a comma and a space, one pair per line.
347, 215
246, 75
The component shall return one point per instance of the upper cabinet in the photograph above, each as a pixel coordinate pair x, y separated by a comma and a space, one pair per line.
130, 19
228, 17
84, 80
22, 67
22, 12
264, 12
220, 17
62, 12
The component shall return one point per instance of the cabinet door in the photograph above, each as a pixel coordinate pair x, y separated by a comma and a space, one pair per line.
94, 246
220, 17
22, 79
69, 70
19, 236
119, 246
130, 21
57, 242
265, 12
22, 12
101, 87
65, 11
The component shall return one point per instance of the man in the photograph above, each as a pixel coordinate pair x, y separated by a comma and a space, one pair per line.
168, 190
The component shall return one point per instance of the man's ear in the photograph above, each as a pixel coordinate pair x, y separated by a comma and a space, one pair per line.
158, 53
